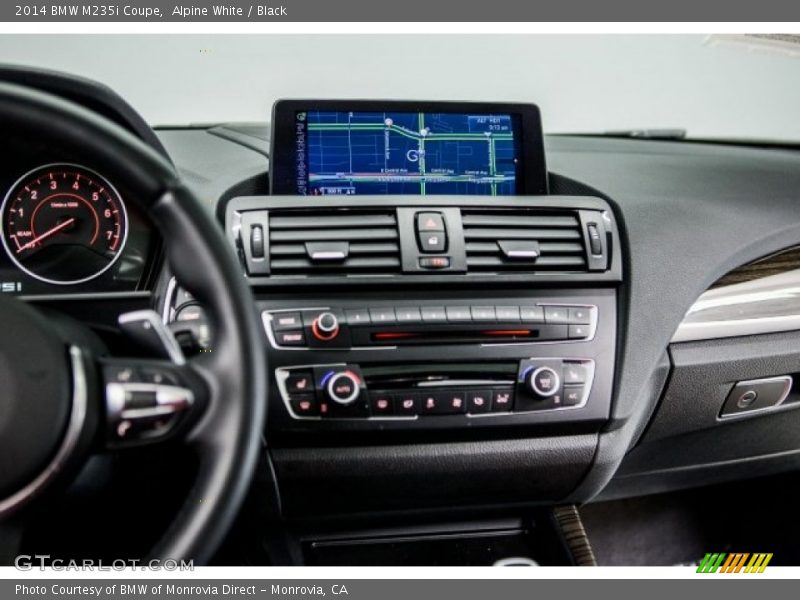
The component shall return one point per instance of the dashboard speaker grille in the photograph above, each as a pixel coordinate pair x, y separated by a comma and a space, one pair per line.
334, 242
523, 241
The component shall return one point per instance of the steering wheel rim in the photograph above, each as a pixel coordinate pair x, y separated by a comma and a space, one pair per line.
228, 435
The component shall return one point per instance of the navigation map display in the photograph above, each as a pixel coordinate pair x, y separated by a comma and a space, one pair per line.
439, 148
408, 153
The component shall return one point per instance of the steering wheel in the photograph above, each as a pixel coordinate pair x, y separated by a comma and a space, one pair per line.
61, 400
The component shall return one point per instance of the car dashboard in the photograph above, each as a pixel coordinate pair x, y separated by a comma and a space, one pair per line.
632, 330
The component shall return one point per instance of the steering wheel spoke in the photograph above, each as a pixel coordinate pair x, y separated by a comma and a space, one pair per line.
150, 401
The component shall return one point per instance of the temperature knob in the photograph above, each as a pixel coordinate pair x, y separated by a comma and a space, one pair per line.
344, 388
325, 327
544, 382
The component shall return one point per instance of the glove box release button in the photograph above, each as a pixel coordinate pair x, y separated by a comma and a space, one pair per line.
756, 395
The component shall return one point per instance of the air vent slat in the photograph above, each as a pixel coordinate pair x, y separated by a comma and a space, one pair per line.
309, 235
546, 248
509, 233
542, 262
367, 241
350, 264
517, 222
357, 248
556, 236
332, 222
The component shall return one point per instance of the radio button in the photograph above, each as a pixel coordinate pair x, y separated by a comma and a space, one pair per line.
459, 313
555, 315
434, 314
577, 332
483, 313
382, 316
291, 338
408, 314
580, 316
357, 316
502, 400
479, 401
286, 320
532, 314
507, 313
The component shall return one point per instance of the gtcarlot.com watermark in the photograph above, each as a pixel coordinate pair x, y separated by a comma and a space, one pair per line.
42, 562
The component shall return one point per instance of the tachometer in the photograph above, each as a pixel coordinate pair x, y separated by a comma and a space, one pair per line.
63, 224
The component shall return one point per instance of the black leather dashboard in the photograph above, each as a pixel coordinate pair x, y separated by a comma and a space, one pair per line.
687, 212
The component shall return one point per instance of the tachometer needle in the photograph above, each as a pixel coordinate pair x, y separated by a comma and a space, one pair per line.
46, 234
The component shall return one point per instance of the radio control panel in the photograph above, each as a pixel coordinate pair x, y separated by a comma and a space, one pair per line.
382, 325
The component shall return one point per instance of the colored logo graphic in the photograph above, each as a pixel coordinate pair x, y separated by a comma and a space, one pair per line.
734, 562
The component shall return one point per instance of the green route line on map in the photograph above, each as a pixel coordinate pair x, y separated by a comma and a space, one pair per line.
492, 165
421, 152
464, 137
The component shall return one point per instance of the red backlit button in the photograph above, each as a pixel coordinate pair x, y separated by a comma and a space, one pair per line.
502, 400
305, 406
456, 402
434, 262
290, 338
479, 402
406, 404
430, 221
300, 383
431, 404
381, 404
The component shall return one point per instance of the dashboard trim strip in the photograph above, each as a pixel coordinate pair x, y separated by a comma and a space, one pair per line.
767, 305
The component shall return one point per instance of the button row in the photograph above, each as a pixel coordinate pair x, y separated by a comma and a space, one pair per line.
554, 315
441, 402
398, 404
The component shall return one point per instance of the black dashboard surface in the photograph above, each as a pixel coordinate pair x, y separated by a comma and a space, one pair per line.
688, 213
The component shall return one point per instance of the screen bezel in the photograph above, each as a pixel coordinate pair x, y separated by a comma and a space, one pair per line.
532, 174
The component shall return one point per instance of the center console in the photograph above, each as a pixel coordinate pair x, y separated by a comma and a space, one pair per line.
441, 331
363, 340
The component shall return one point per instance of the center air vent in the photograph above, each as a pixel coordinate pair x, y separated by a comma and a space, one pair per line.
523, 241
331, 242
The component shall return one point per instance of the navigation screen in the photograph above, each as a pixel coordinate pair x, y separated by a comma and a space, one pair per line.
426, 153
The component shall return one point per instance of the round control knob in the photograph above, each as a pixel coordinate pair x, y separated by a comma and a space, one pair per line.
544, 382
343, 388
325, 327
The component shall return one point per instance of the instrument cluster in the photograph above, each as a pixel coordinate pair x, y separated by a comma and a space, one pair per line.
65, 228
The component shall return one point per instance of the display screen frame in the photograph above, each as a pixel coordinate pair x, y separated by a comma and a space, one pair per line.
531, 174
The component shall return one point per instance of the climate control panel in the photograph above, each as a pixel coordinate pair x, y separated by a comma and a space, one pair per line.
348, 391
